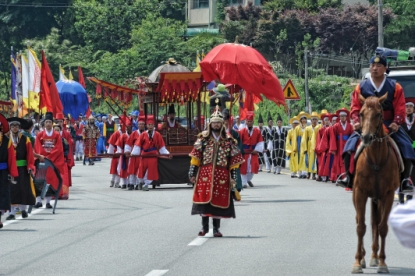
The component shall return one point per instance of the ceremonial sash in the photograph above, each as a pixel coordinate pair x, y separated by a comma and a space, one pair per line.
21, 163
344, 137
150, 149
3, 166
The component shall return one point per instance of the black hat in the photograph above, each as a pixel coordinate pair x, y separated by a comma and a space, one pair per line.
226, 114
49, 116
171, 109
279, 118
24, 124
379, 59
260, 120
269, 116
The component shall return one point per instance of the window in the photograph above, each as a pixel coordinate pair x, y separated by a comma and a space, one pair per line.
200, 4
235, 2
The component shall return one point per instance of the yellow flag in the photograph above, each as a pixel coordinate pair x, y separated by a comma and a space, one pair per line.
70, 75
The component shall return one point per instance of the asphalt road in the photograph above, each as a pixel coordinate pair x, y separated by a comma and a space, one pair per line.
284, 226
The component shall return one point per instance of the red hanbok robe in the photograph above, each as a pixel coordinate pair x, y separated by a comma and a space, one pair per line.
70, 162
51, 147
338, 139
251, 141
134, 164
123, 160
147, 146
322, 149
7, 156
111, 150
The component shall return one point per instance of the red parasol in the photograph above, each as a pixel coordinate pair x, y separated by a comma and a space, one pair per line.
242, 65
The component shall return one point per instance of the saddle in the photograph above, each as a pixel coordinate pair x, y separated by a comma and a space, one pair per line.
394, 147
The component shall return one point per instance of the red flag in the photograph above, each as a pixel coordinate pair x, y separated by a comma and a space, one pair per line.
49, 95
88, 112
81, 79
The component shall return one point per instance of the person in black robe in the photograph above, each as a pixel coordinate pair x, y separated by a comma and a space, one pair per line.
261, 154
278, 155
409, 128
268, 136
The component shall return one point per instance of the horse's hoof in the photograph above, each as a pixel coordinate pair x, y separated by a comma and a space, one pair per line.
383, 269
374, 262
357, 270
363, 263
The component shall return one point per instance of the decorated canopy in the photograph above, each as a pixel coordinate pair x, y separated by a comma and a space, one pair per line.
73, 97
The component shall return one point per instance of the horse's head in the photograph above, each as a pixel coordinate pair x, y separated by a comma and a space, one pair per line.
371, 118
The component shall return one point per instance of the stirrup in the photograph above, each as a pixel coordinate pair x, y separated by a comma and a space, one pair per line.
410, 184
340, 182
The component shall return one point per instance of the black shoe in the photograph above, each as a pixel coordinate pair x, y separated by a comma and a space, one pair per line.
38, 205
343, 182
124, 186
48, 206
136, 187
406, 186
216, 233
131, 187
140, 186
11, 217
24, 214
250, 184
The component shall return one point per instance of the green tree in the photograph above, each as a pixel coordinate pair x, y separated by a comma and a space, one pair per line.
400, 32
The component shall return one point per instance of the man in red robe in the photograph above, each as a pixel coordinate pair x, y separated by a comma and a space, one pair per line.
69, 159
134, 164
340, 133
7, 166
322, 149
171, 119
253, 143
48, 144
112, 146
90, 135
150, 142
124, 160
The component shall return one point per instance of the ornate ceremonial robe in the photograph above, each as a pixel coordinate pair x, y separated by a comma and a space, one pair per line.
215, 159
112, 141
298, 135
149, 145
23, 192
307, 149
134, 163
123, 162
50, 146
322, 152
7, 166
260, 154
291, 150
167, 125
339, 134
69, 160
278, 155
90, 134
268, 137
251, 140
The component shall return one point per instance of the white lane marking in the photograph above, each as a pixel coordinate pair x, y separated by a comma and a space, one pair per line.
7, 222
201, 240
157, 272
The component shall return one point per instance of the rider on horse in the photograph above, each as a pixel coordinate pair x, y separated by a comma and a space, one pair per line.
393, 115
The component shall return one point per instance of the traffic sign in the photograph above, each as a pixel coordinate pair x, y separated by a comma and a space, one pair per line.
290, 93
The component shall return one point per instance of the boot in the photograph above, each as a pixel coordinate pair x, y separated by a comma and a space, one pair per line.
401, 198
112, 184
344, 179
216, 226
205, 225
406, 183
308, 175
314, 176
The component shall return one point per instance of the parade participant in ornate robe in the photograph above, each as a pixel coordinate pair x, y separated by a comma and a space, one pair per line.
394, 115
298, 134
278, 155
307, 143
110, 127
171, 119
8, 167
124, 159
134, 163
214, 160
150, 142
253, 143
69, 159
90, 134
291, 146
101, 140
339, 134
262, 130
227, 121
321, 148
409, 128
268, 137
79, 143
48, 144
112, 148
21, 190
64, 192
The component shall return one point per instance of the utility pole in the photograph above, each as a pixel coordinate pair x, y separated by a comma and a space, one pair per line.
380, 23
307, 99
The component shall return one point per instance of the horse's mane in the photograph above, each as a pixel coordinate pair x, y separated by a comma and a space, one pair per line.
372, 102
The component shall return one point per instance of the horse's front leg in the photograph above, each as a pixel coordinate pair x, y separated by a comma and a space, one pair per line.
359, 199
376, 218
386, 207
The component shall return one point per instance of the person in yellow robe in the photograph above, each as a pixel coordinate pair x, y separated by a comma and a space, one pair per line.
290, 145
298, 135
307, 142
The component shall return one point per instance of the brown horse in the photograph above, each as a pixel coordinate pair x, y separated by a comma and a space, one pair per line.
377, 176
